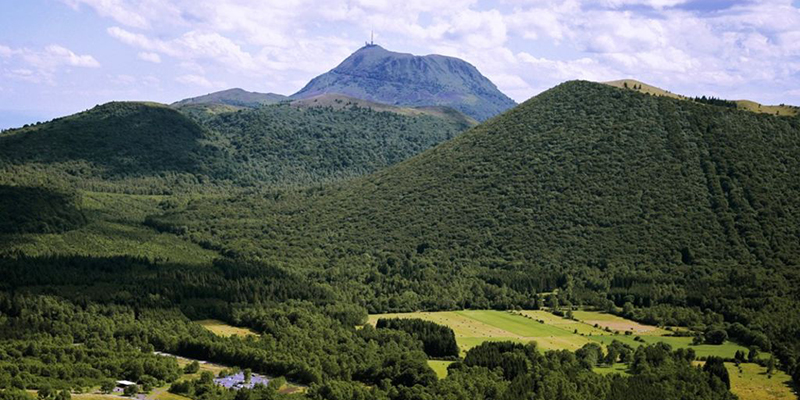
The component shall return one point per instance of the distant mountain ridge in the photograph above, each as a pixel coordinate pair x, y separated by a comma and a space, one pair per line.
234, 97
376, 74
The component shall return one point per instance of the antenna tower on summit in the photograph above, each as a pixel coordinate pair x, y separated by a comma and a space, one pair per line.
372, 38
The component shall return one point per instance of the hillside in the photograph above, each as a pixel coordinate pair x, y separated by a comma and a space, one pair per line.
148, 148
234, 97
602, 193
292, 145
339, 101
375, 74
747, 105
114, 140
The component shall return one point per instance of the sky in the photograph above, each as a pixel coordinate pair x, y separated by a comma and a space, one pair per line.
58, 57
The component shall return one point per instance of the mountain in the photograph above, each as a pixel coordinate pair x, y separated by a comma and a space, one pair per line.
376, 74
153, 148
747, 105
607, 195
234, 97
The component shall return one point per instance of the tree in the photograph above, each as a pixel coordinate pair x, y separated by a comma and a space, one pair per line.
739, 357
45, 392
552, 301
107, 386
192, 367
716, 336
627, 309
539, 302
64, 395
716, 367
248, 375
206, 377
752, 355
771, 365
131, 390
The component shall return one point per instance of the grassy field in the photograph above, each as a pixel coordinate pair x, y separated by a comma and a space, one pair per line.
440, 367
621, 369
550, 332
750, 382
616, 323
753, 383
727, 349
220, 328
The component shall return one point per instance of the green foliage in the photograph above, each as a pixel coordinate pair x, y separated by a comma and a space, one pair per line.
36, 210
152, 149
15, 394
437, 340
131, 390
192, 367
715, 366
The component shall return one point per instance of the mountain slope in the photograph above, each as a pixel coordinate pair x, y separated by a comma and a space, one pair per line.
150, 148
375, 74
586, 173
685, 212
294, 144
234, 97
114, 140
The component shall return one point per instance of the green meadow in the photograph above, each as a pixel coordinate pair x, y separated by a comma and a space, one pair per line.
550, 332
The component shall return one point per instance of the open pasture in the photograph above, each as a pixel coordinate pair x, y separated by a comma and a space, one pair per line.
220, 328
440, 367
473, 327
615, 323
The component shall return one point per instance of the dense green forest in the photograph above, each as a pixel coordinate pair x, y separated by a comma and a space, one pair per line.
665, 211
147, 148
684, 211
110, 315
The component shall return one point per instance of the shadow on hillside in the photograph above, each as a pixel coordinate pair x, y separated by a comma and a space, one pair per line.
38, 210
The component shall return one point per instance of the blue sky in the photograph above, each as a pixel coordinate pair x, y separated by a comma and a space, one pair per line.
58, 57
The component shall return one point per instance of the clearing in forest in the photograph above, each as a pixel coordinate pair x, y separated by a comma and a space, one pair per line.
440, 367
220, 328
615, 323
551, 332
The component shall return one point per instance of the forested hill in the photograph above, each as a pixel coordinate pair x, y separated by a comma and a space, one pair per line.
585, 173
117, 138
376, 74
234, 97
289, 145
153, 149
602, 192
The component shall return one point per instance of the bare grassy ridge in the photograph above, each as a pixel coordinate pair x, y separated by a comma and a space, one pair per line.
747, 105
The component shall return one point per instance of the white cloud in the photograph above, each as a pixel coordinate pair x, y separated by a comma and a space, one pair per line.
197, 80
149, 57
523, 45
191, 45
39, 66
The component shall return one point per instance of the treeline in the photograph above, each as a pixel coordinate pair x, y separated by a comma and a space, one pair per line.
715, 101
438, 341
